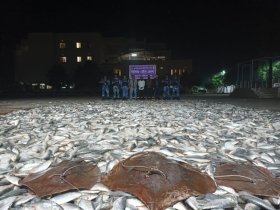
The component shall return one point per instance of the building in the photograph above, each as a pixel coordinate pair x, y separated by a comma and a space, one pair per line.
40, 51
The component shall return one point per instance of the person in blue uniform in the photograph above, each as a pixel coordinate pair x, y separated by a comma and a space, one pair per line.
116, 87
105, 87
124, 87
176, 85
166, 87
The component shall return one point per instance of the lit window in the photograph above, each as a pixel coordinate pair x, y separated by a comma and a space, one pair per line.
63, 59
184, 70
62, 45
117, 71
161, 67
171, 71
175, 71
89, 58
180, 72
79, 59
78, 45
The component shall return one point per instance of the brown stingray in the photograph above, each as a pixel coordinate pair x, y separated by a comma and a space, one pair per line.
254, 179
65, 176
157, 181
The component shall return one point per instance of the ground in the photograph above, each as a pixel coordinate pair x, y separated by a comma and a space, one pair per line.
8, 105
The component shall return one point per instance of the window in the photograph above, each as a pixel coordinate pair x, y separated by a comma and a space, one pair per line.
89, 45
79, 59
89, 58
175, 71
117, 71
184, 70
78, 45
171, 71
161, 67
63, 59
180, 72
62, 45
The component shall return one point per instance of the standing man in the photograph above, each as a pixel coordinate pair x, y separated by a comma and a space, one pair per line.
149, 85
156, 87
141, 87
176, 85
116, 84
133, 87
105, 87
124, 87
166, 89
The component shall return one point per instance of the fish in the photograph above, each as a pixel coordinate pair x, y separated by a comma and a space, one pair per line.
66, 197
200, 133
41, 205
119, 203
7, 203
192, 202
255, 200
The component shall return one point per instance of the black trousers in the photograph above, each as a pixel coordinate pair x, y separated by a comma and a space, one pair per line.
149, 92
141, 94
157, 93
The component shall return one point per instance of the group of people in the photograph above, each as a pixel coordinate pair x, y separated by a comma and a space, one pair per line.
149, 87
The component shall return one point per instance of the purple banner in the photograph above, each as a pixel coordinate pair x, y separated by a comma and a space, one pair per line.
142, 70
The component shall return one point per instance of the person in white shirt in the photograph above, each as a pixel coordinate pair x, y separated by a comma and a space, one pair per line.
141, 87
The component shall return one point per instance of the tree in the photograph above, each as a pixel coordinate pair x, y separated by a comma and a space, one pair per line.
87, 76
218, 80
276, 72
263, 71
57, 77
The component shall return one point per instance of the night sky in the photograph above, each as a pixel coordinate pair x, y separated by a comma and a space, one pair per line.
215, 34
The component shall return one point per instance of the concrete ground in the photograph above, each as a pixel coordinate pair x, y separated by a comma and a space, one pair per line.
9, 104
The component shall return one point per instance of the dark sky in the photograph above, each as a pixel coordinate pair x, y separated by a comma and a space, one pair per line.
216, 34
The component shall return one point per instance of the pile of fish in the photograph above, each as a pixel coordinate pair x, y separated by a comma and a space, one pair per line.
200, 133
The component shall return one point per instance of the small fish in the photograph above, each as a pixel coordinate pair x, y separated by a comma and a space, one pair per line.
255, 200
41, 205
251, 206
192, 202
7, 203
65, 197
6, 188
180, 206
220, 204
119, 203
70, 206
14, 193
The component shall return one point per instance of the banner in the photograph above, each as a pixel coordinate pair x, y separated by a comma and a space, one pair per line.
142, 70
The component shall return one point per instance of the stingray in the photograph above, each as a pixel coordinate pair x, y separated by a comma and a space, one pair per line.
67, 175
254, 179
157, 181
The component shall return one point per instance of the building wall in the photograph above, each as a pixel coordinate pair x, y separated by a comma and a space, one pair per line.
36, 55
91, 45
34, 58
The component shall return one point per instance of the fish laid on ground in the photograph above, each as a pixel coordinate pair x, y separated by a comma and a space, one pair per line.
200, 133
